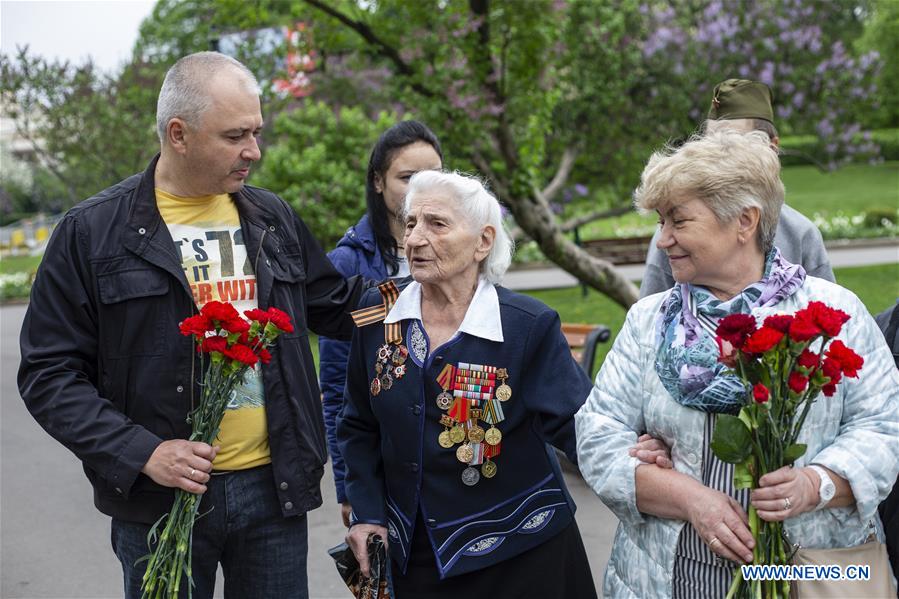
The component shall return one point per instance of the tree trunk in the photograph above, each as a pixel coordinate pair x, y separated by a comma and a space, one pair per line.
535, 219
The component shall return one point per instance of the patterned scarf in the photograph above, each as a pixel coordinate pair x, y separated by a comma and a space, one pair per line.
687, 354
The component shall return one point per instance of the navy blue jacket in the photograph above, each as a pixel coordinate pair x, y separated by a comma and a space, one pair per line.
356, 254
396, 467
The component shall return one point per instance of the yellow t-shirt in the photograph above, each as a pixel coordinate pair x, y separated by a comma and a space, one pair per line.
207, 232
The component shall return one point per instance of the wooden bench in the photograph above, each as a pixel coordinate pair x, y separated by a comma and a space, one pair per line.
622, 250
583, 339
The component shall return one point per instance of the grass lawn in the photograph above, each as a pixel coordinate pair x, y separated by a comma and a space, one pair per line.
13, 264
850, 190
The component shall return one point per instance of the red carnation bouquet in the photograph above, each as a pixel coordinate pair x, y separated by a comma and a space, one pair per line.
233, 346
786, 363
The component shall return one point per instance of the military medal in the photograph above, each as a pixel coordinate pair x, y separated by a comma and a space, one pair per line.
444, 400
470, 476
493, 436
386, 382
464, 453
475, 433
400, 353
504, 391
445, 440
457, 434
375, 386
488, 469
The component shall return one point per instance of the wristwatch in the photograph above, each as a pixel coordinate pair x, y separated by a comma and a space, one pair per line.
827, 489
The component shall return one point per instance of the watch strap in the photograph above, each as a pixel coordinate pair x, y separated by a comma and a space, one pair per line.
825, 481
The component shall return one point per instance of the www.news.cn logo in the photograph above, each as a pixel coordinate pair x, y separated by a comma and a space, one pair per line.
806, 572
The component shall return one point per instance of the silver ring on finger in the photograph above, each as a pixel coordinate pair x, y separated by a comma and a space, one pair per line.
787, 503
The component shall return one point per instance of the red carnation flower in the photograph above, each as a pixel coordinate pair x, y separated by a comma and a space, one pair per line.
259, 315
219, 311
211, 344
242, 353
760, 393
832, 370
779, 322
850, 362
829, 389
195, 325
280, 320
236, 325
797, 382
264, 356
830, 320
736, 328
808, 359
803, 328
762, 340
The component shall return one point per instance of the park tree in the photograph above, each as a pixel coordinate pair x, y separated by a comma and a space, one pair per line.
87, 128
556, 103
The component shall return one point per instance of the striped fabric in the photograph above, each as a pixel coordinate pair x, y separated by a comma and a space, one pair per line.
698, 572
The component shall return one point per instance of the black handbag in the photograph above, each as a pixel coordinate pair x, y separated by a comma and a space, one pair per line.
377, 586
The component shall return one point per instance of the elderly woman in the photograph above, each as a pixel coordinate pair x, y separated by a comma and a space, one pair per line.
718, 200
451, 402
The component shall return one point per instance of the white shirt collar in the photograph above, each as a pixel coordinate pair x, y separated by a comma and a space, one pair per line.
482, 319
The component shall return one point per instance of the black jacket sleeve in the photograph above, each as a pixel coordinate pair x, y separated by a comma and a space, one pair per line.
59, 368
330, 296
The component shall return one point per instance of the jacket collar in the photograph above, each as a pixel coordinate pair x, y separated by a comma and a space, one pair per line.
145, 215
482, 319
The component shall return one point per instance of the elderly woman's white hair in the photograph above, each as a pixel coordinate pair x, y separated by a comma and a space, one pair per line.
479, 207
728, 170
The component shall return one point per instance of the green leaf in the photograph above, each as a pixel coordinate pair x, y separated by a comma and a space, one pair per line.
794, 452
743, 478
732, 441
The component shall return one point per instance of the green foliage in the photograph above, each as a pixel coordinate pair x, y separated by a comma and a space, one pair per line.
881, 35
91, 130
317, 160
731, 441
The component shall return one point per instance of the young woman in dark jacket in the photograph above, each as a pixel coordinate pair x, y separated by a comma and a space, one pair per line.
373, 248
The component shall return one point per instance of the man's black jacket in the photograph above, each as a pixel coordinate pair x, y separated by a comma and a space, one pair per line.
107, 373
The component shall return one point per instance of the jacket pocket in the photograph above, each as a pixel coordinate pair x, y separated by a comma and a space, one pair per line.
133, 318
289, 293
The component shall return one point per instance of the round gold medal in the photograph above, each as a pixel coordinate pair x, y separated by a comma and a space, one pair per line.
493, 436
457, 434
488, 469
476, 434
503, 392
464, 453
444, 439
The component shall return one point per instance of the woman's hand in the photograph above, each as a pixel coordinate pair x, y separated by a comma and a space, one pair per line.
722, 524
345, 510
785, 493
357, 539
650, 450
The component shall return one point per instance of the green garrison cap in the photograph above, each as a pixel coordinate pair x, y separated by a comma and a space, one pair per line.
742, 99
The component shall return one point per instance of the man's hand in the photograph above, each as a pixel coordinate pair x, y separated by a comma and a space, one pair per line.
357, 539
181, 464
